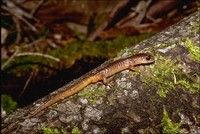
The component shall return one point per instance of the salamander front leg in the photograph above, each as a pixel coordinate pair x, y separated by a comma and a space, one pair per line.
137, 68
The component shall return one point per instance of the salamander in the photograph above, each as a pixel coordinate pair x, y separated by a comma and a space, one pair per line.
101, 74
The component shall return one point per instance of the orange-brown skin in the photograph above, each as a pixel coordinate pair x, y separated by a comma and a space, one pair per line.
101, 74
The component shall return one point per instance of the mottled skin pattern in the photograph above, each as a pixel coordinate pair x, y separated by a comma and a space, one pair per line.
101, 74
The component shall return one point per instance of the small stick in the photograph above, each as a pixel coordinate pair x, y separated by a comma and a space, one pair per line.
38, 54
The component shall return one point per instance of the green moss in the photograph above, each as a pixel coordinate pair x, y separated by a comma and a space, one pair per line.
163, 70
75, 131
134, 73
198, 117
94, 94
191, 86
168, 126
123, 51
194, 50
22, 66
196, 27
166, 75
52, 130
80, 36
8, 103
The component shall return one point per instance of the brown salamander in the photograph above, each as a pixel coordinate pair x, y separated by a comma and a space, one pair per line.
101, 74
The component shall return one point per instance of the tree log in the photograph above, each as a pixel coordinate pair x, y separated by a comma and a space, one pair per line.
162, 98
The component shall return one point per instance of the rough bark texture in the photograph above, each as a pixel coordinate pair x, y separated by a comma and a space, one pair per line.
135, 102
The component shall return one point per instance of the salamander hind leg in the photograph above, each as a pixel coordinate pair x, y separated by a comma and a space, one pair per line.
106, 82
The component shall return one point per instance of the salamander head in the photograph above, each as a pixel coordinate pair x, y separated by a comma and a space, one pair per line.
142, 58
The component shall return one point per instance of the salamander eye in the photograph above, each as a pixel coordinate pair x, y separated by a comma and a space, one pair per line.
148, 57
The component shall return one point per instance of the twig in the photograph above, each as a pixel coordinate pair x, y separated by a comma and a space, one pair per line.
25, 13
19, 17
51, 43
111, 16
8, 61
150, 18
34, 10
18, 30
38, 6
137, 16
142, 11
32, 43
27, 82
38, 54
